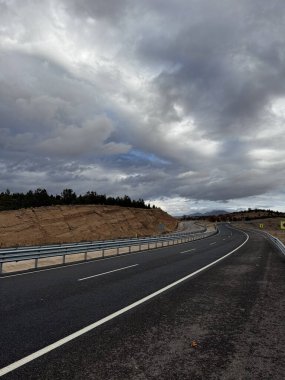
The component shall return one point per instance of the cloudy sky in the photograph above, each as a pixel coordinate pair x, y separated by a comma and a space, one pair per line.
179, 102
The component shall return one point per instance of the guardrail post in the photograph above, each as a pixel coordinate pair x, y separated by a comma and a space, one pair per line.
63, 250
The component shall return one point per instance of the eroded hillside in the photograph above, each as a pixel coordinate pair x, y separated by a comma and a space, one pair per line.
61, 224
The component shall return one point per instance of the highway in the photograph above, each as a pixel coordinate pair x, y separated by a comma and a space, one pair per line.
145, 315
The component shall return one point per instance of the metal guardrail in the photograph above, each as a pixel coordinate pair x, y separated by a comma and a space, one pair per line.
47, 251
278, 243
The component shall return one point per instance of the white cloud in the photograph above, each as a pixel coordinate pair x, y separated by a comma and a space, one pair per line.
90, 137
177, 99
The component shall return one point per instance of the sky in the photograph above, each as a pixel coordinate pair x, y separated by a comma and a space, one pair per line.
181, 103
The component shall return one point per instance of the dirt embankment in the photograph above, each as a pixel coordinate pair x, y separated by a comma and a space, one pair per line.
271, 225
62, 224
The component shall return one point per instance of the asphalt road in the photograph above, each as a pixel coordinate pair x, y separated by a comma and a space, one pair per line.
226, 322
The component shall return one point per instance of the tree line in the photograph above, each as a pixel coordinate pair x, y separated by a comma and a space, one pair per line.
243, 215
40, 197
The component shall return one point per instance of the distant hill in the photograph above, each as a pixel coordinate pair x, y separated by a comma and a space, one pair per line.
221, 215
210, 213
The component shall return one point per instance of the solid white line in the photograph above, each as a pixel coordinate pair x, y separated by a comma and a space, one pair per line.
86, 329
189, 250
110, 271
213, 243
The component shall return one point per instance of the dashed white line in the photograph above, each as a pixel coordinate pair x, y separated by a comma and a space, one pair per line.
11, 367
189, 250
90, 261
110, 271
213, 243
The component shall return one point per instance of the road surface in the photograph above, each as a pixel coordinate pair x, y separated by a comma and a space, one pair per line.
149, 315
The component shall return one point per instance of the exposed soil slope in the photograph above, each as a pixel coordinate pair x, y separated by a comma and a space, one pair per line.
61, 224
271, 225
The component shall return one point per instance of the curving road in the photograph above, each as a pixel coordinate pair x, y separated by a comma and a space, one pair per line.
175, 312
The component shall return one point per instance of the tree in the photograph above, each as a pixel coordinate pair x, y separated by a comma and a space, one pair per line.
40, 197
68, 196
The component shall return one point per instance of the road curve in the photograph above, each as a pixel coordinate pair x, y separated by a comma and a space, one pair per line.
153, 339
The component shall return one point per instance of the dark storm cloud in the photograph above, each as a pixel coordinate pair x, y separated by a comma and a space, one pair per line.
109, 9
226, 72
157, 98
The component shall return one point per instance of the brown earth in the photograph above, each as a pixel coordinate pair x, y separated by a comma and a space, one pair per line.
63, 224
271, 225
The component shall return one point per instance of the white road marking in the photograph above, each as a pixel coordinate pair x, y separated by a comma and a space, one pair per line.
213, 243
90, 261
189, 250
61, 342
110, 271
225, 239
87, 262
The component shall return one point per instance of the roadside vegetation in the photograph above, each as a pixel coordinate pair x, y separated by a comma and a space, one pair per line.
40, 197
